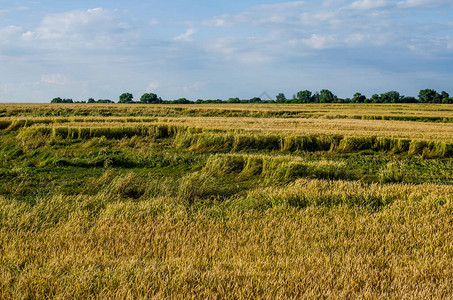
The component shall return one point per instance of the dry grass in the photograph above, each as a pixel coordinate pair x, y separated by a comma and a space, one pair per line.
172, 202
295, 126
345, 127
313, 110
136, 250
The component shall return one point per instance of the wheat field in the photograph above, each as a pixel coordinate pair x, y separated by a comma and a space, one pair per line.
226, 201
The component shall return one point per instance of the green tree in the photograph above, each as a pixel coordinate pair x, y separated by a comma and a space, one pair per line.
409, 100
304, 96
57, 100
315, 97
445, 97
281, 98
358, 98
150, 98
234, 100
181, 101
391, 97
255, 100
105, 101
126, 98
326, 96
437, 98
91, 100
427, 96
375, 99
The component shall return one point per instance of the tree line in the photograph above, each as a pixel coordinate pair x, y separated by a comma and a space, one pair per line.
305, 96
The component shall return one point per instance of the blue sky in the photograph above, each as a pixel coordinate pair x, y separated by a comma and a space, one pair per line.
221, 49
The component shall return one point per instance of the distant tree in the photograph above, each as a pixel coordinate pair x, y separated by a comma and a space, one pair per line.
428, 96
91, 100
105, 101
444, 95
358, 98
234, 100
409, 100
447, 101
390, 97
150, 98
67, 101
304, 96
210, 101
281, 98
315, 97
181, 101
126, 98
375, 99
57, 100
437, 98
326, 96
255, 100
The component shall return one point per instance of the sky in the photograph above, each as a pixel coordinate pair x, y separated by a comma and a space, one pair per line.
220, 49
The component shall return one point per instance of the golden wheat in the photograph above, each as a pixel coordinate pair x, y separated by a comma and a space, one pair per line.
173, 202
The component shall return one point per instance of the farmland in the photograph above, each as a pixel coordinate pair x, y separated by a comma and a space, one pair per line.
226, 201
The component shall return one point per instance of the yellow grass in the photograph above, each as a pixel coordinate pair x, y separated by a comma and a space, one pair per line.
293, 126
177, 231
129, 251
324, 110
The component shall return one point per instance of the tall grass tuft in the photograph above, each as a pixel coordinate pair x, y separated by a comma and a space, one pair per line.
326, 193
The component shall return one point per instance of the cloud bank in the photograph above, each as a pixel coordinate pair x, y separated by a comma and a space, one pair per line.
345, 46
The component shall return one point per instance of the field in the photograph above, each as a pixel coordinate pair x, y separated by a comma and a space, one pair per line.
226, 201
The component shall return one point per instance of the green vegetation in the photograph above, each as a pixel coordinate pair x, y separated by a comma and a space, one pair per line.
324, 96
167, 201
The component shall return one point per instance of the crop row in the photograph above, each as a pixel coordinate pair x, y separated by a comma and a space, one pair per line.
205, 140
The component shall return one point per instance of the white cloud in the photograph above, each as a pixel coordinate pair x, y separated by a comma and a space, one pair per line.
237, 52
9, 31
4, 88
320, 42
245, 52
417, 3
152, 86
58, 78
226, 46
218, 21
186, 37
355, 38
258, 15
91, 28
339, 24
10, 39
369, 4
280, 6
194, 87
432, 47
254, 57
154, 22
450, 43
10, 10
